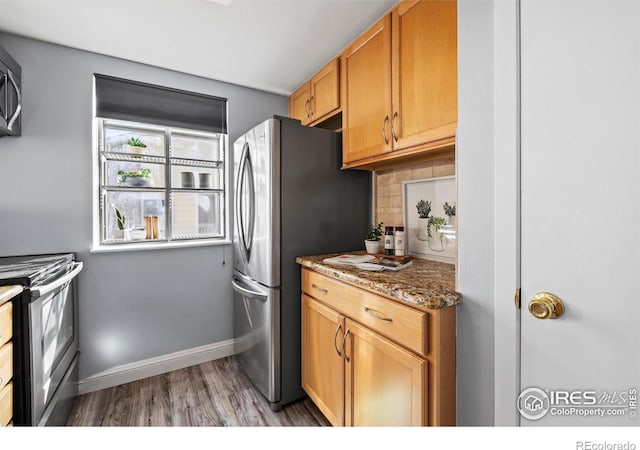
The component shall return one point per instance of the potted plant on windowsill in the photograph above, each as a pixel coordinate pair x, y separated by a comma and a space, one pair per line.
120, 233
136, 146
137, 178
372, 241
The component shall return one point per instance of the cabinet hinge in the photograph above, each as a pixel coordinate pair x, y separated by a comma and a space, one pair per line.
516, 298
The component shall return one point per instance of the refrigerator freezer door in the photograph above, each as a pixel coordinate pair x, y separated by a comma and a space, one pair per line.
257, 204
257, 335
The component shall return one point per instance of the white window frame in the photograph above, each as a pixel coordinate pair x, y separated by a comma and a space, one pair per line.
98, 217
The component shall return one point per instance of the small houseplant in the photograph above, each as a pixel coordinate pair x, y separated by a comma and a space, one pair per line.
424, 210
121, 222
136, 178
136, 145
450, 211
437, 239
372, 241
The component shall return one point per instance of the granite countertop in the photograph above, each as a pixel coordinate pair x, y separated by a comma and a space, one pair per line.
8, 292
426, 284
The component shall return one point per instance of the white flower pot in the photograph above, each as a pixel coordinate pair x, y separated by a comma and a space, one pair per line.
122, 235
423, 229
372, 247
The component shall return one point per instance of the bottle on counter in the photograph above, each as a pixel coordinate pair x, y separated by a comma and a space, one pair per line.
388, 240
398, 244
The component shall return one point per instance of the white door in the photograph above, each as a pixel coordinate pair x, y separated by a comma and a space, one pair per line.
580, 216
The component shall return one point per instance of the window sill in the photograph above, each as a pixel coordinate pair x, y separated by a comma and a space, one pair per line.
157, 246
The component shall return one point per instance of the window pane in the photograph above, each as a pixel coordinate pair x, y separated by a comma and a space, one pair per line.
196, 215
195, 177
135, 206
116, 140
134, 174
191, 147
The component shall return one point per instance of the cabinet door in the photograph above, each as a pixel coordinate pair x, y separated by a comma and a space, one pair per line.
299, 107
6, 322
425, 96
322, 361
385, 384
6, 404
325, 91
366, 67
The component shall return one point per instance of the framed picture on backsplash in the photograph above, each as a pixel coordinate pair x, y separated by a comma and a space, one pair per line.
430, 213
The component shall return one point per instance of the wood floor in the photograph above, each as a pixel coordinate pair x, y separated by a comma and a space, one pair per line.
216, 393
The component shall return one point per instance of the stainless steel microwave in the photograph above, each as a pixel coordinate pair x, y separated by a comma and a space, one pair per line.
10, 95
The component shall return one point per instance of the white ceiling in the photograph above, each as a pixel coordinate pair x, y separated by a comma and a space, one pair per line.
273, 45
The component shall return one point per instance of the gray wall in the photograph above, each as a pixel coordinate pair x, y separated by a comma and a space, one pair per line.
133, 305
475, 173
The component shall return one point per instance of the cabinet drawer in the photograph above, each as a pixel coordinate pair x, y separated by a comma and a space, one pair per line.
6, 363
6, 404
405, 325
6, 324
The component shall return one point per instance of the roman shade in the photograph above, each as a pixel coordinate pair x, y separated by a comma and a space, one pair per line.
121, 99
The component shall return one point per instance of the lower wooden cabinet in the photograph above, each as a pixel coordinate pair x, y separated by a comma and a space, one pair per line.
375, 369
385, 384
6, 404
322, 362
6, 353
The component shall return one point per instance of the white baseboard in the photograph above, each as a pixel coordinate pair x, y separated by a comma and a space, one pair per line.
146, 368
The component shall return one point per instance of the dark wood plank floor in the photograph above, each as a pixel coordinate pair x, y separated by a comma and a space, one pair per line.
216, 393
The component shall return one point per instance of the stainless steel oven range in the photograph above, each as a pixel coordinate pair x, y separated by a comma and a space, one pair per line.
45, 335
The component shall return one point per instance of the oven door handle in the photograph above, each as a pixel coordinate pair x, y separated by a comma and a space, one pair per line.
44, 290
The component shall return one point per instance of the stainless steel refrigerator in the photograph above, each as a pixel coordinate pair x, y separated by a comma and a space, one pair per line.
291, 199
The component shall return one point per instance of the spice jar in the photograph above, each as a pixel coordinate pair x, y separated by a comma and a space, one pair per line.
388, 240
398, 244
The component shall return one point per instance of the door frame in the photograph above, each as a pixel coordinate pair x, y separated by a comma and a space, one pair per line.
507, 148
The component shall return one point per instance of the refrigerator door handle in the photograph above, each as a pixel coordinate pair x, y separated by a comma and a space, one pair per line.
248, 293
246, 230
252, 204
239, 204
18, 109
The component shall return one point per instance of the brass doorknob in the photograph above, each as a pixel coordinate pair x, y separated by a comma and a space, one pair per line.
545, 305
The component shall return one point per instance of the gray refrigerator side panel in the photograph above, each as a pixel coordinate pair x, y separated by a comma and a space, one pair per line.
323, 209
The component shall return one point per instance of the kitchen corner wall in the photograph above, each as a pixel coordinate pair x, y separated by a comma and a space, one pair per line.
136, 305
389, 186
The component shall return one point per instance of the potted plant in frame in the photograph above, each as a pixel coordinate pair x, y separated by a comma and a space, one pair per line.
136, 145
372, 242
437, 239
450, 211
424, 210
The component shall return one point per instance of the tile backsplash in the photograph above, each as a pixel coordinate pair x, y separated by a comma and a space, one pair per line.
389, 186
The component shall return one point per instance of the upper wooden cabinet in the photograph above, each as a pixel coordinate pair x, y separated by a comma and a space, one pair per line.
317, 98
299, 104
366, 81
399, 83
425, 67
